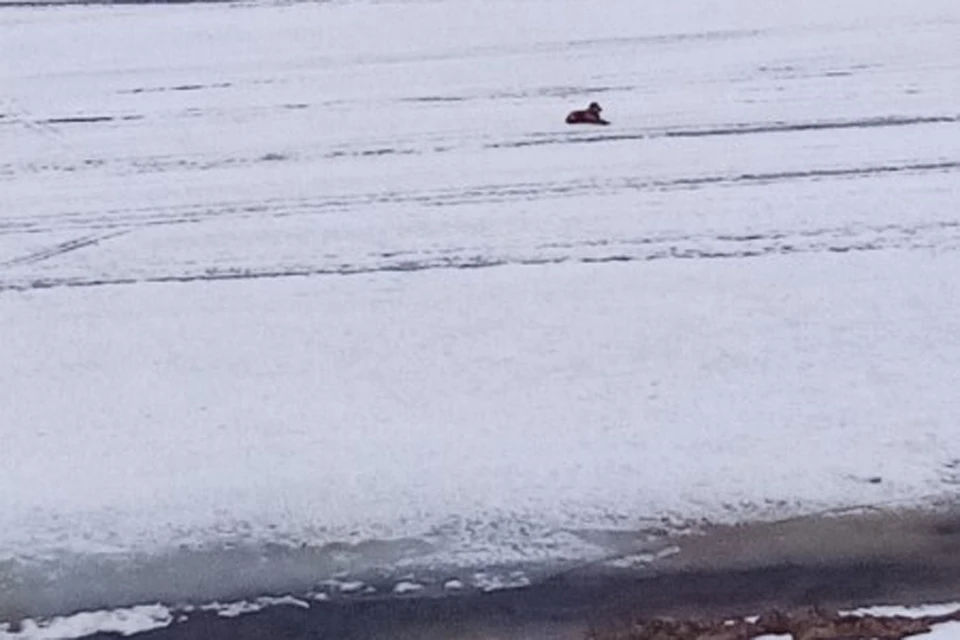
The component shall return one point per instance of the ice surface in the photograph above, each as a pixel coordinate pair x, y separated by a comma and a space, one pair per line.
298, 292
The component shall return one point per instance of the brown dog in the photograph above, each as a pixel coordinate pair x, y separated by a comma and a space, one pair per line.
590, 115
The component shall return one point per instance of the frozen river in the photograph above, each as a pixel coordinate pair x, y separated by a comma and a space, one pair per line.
325, 298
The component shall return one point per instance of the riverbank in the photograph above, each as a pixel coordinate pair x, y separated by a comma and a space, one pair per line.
830, 561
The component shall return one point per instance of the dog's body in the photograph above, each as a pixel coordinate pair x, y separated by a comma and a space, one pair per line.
590, 115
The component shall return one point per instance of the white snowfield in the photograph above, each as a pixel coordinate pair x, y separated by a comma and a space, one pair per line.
274, 277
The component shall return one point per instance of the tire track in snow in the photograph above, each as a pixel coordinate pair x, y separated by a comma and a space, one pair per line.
374, 150
61, 248
747, 128
16, 114
942, 235
471, 195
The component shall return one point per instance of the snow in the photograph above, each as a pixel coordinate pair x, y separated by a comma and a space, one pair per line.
945, 631
949, 630
453, 585
242, 607
405, 587
495, 582
641, 559
126, 622
941, 609
350, 586
238, 330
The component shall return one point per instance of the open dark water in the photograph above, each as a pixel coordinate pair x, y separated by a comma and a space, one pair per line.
569, 606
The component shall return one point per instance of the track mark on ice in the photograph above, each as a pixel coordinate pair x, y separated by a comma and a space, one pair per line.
180, 87
782, 127
18, 115
61, 248
748, 128
88, 119
143, 217
375, 150
944, 235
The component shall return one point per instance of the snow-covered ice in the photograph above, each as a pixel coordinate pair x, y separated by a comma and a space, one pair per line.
125, 622
908, 612
406, 587
945, 631
292, 292
242, 607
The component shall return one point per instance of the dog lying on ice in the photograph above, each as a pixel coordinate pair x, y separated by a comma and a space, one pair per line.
590, 115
